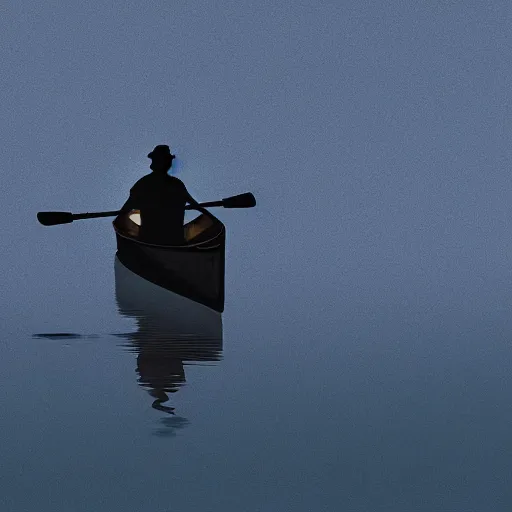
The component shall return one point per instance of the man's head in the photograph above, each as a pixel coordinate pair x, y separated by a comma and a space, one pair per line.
161, 158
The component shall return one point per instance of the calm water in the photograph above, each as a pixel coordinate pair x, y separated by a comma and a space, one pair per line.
300, 398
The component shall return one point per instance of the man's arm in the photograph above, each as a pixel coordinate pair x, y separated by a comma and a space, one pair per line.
131, 203
195, 205
128, 205
190, 200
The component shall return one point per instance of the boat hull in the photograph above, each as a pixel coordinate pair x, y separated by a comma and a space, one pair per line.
194, 270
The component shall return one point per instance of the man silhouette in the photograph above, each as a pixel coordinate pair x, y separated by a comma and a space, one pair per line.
161, 200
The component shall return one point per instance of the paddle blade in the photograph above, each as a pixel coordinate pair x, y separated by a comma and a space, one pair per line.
54, 218
246, 200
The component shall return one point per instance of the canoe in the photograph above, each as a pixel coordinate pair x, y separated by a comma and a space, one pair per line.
194, 270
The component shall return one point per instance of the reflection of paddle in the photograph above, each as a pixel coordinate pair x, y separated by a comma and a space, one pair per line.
246, 200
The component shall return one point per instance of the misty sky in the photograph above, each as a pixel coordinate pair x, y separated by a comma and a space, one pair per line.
376, 131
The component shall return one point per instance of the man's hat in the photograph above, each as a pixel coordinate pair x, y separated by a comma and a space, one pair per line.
160, 151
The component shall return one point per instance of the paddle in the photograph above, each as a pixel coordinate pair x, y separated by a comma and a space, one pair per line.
246, 200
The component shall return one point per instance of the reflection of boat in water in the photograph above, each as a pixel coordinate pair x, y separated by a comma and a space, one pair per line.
194, 270
172, 331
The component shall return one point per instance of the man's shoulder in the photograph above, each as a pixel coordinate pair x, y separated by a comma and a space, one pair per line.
153, 180
175, 183
143, 180
174, 180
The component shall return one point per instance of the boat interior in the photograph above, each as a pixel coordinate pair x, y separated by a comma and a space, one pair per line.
201, 229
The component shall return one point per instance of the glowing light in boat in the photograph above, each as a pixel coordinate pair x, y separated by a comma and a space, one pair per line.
135, 217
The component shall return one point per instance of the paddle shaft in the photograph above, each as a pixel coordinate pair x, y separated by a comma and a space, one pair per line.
79, 216
246, 200
206, 205
114, 213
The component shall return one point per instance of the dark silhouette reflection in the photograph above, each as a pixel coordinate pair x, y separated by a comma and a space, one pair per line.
169, 426
172, 331
63, 336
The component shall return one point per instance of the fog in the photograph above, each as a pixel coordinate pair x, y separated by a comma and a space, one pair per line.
376, 141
